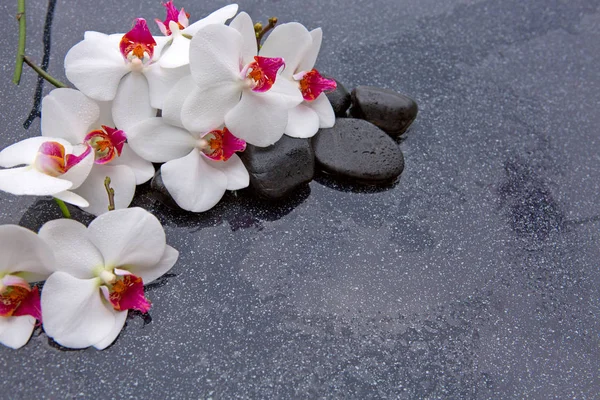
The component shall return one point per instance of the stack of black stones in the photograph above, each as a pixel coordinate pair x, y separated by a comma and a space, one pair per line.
361, 148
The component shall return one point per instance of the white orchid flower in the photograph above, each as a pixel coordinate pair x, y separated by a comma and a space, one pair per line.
123, 68
198, 169
24, 257
178, 31
300, 49
233, 86
100, 274
46, 166
70, 115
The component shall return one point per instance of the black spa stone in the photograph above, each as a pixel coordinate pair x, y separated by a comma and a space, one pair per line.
277, 170
359, 150
391, 111
340, 99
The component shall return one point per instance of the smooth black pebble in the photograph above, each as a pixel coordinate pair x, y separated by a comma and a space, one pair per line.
277, 170
391, 111
357, 149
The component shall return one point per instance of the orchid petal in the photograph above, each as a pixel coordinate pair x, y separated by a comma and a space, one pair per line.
177, 54
79, 172
16, 331
120, 317
161, 43
236, 172
284, 93
310, 56
68, 114
95, 66
162, 27
303, 122
219, 16
161, 80
25, 151
243, 24
166, 262
257, 121
205, 110
113, 40
138, 42
25, 253
193, 183
182, 18
215, 56
312, 84
220, 144
122, 180
158, 142
29, 181
75, 253
289, 41
143, 170
71, 198
263, 72
322, 106
132, 102
74, 312
14, 280
174, 100
128, 237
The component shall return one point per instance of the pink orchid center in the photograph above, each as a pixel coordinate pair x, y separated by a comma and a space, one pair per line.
52, 160
138, 43
125, 292
220, 145
262, 72
179, 17
19, 300
107, 143
312, 84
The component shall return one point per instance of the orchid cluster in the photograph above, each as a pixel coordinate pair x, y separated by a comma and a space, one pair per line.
93, 276
189, 98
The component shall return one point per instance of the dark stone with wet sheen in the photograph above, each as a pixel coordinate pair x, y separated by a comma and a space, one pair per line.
391, 111
357, 149
340, 99
277, 170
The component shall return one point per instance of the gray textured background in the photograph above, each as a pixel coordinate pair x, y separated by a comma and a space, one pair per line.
476, 276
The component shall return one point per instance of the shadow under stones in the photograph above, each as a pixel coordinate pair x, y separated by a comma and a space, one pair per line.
241, 209
352, 185
46, 209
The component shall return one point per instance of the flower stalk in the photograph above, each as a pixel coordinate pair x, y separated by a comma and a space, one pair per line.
22, 58
111, 194
261, 30
63, 208
43, 73
22, 38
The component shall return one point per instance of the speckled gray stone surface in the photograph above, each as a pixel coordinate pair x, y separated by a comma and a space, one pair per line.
475, 276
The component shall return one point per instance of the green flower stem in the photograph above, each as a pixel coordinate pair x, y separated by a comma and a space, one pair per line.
63, 208
111, 194
43, 73
22, 37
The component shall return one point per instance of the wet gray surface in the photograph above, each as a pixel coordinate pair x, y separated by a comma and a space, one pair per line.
475, 276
